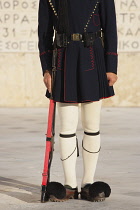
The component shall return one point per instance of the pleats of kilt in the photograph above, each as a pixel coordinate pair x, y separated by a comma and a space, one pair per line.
105, 90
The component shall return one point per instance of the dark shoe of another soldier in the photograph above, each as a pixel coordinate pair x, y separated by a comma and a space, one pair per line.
56, 192
95, 192
71, 193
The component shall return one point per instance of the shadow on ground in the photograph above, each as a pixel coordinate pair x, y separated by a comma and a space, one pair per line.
32, 194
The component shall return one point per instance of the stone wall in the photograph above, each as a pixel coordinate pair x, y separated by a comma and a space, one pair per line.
21, 81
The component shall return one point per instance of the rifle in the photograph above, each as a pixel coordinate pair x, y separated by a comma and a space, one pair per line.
50, 133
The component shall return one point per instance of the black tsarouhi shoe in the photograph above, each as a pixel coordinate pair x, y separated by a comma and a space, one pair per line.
59, 193
95, 192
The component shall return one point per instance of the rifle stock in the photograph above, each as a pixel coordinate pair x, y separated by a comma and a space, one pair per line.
53, 75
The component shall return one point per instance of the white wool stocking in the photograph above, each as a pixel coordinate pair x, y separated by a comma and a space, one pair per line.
68, 114
68, 157
90, 115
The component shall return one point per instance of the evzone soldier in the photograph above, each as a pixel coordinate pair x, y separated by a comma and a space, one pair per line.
86, 69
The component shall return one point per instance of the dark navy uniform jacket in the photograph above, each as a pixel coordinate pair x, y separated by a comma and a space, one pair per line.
81, 71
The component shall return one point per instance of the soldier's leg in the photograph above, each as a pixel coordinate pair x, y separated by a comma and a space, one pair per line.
68, 114
90, 116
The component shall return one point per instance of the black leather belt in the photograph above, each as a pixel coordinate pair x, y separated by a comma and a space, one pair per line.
87, 37
80, 37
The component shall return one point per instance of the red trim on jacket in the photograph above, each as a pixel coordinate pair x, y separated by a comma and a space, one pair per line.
42, 53
85, 100
91, 56
96, 24
111, 53
59, 59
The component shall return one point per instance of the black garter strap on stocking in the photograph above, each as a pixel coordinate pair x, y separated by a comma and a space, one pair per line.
68, 136
77, 147
91, 134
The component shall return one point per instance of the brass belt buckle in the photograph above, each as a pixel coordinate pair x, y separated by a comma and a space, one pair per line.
75, 37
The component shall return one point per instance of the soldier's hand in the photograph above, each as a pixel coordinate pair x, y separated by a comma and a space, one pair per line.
112, 78
47, 80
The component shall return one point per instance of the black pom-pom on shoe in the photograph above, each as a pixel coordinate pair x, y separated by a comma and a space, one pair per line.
99, 190
99, 187
95, 192
56, 191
